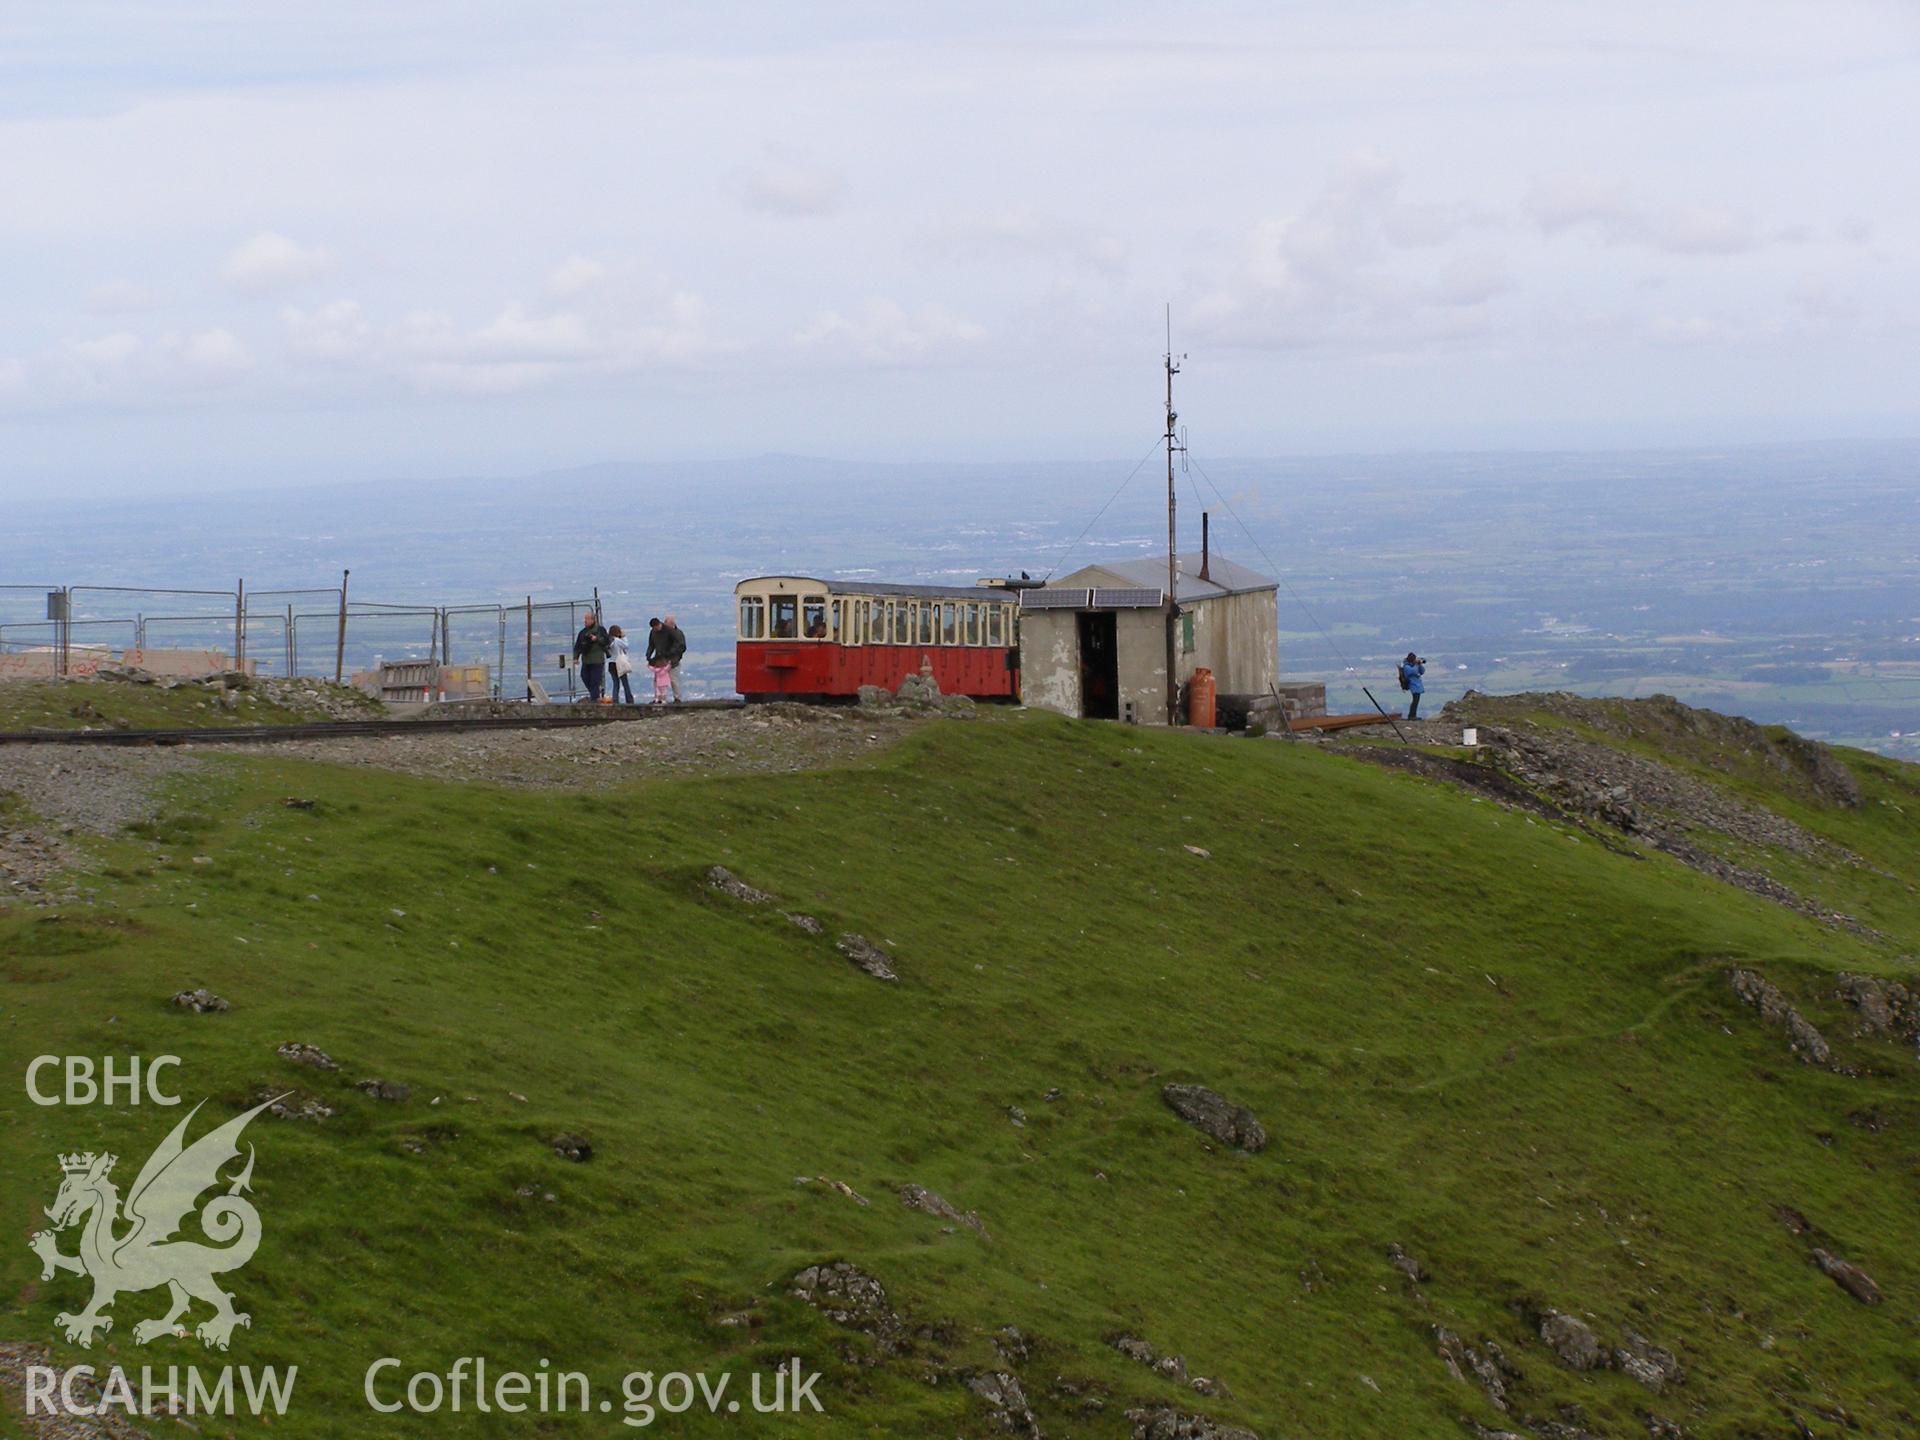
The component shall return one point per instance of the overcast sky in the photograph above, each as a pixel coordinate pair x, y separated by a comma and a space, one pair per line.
261, 243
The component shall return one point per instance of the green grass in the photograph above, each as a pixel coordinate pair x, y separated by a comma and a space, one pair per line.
55, 705
1468, 1031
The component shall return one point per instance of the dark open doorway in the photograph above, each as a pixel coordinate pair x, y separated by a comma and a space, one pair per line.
1099, 667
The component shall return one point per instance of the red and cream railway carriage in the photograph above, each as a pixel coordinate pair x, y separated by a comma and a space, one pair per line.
802, 638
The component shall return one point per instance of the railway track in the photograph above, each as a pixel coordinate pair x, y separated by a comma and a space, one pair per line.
578, 717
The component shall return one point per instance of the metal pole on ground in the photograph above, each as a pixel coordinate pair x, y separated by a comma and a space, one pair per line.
340, 640
1389, 717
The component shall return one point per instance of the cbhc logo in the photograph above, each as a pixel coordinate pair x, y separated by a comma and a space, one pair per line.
87, 1085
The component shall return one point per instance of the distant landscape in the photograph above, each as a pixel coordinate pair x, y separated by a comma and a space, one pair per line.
1778, 582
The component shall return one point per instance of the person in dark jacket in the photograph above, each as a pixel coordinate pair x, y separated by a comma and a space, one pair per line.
1413, 671
590, 649
675, 650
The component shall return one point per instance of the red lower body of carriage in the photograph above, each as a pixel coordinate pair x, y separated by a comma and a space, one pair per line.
807, 670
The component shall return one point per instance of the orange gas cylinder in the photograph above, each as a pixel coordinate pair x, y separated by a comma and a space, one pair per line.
1200, 698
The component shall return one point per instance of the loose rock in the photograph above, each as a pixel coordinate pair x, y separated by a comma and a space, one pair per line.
1573, 1340
1163, 1422
1806, 1042
1848, 1276
867, 955
724, 880
918, 1197
386, 1089
301, 1053
1226, 1122
202, 1001
1006, 1401
572, 1147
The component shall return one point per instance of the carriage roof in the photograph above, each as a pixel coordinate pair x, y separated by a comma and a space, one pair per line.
876, 587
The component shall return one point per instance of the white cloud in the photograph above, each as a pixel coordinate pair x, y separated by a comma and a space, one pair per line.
1608, 208
117, 297
215, 352
106, 351
335, 332
884, 332
1031, 236
573, 277
269, 262
786, 183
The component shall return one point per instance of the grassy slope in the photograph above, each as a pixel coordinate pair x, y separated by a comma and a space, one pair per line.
1474, 1034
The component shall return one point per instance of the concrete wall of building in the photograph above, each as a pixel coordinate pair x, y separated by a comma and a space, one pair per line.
1236, 637
1050, 660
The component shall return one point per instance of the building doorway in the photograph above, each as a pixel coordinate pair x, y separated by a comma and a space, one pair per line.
1099, 666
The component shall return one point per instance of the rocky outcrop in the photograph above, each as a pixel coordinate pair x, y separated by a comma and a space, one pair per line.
867, 956
1163, 1422
1806, 1042
1639, 1359
390, 1090
1885, 1007
727, 883
918, 1197
201, 1002
312, 1056
1406, 1264
572, 1147
1487, 1365
1572, 1340
1006, 1402
848, 1296
1217, 1116
1848, 1276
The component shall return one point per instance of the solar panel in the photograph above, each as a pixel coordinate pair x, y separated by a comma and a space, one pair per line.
1055, 599
1127, 599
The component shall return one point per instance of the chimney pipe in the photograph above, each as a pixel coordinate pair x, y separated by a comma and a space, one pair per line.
1205, 516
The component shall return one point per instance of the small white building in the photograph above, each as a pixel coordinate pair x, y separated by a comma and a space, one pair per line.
1094, 643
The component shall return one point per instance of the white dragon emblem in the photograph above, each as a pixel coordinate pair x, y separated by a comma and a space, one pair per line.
144, 1255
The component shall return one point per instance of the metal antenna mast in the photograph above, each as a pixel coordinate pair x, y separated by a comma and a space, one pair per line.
1173, 604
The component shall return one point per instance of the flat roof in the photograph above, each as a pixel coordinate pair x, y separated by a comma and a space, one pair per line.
1224, 576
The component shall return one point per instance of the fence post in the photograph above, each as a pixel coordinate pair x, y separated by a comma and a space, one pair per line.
529, 647
340, 640
240, 624
289, 642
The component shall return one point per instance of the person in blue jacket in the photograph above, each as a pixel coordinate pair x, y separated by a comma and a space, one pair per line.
1413, 671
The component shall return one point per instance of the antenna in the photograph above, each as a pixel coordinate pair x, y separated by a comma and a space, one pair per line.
1174, 446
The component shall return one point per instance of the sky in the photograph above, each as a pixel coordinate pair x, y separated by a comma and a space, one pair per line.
247, 245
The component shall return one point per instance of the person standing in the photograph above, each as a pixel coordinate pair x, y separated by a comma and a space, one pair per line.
657, 658
590, 650
619, 666
1413, 672
676, 651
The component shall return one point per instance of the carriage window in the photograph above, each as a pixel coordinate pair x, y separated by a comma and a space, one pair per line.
927, 612
839, 610
973, 622
753, 617
813, 617
996, 626
949, 624
902, 624
786, 617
